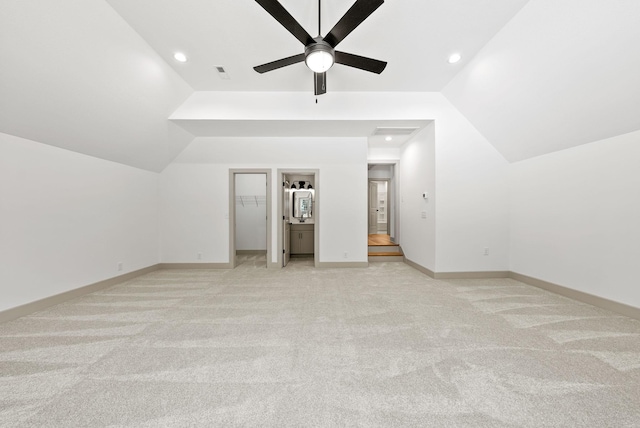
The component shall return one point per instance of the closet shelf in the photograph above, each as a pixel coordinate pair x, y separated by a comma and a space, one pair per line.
250, 200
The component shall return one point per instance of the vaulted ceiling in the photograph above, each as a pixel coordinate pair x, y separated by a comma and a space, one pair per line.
98, 76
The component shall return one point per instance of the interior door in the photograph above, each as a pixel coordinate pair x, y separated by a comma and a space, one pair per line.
373, 207
286, 243
286, 227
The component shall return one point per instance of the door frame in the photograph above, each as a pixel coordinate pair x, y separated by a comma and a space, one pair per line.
370, 200
316, 209
388, 215
232, 211
394, 197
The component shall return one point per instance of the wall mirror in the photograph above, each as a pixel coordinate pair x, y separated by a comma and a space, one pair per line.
302, 204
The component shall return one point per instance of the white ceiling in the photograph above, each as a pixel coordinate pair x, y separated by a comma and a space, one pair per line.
308, 128
98, 77
74, 75
560, 74
415, 36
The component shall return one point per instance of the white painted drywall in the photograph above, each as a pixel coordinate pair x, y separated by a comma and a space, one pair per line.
75, 75
418, 175
194, 214
195, 194
575, 218
383, 154
559, 74
68, 219
377, 172
472, 197
251, 212
472, 192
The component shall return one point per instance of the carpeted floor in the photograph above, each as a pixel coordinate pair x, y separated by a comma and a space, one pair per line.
379, 346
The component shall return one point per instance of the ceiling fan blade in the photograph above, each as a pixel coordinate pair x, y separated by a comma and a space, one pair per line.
320, 83
361, 62
281, 15
270, 66
360, 10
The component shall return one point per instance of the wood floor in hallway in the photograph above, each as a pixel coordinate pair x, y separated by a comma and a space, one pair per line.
380, 240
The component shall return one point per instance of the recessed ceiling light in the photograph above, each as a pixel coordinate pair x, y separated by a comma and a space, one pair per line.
388, 138
454, 58
180, 57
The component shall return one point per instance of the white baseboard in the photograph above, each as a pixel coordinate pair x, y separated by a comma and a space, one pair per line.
472, 275
457, 275
581, 296
601, 302
343, 264
195, 266
38, 305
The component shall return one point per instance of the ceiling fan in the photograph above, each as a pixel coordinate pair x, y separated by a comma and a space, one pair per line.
319, 52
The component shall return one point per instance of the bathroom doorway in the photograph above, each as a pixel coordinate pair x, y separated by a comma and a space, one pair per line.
298, 214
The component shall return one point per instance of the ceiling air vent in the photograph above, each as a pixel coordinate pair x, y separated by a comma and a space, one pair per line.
222, 72
392, 131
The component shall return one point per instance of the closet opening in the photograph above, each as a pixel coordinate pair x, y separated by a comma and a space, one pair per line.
249, 214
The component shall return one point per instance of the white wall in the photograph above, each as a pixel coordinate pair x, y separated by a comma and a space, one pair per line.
380, 172
575, 218
251, 212
472, 197
68, 219
418, 175
472, 191
467, 208
194, 202
383, 154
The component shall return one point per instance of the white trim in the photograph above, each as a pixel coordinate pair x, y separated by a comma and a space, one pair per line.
38, 305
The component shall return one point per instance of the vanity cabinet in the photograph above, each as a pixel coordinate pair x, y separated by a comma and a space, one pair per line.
302, 239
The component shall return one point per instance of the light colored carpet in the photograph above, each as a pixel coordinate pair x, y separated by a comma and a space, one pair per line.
378, 346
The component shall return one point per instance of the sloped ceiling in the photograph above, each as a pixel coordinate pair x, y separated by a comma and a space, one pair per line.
97, 76
559, 74
75, 75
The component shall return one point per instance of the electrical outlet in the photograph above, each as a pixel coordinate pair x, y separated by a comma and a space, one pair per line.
346, 255
486, 251
423, 214
119, 266
199, 256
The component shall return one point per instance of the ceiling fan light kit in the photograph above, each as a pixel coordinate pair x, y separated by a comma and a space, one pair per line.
319, 53
319, 56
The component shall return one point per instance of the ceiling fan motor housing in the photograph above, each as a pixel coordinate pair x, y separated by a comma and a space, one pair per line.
319, 56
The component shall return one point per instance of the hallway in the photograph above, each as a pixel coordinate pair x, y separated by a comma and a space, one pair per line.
382, 249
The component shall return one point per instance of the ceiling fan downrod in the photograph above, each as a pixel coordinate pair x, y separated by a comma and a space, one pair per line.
319, 15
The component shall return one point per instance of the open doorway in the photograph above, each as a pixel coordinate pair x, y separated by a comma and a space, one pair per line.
249, 213
379, 223
382, 203
298, 214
